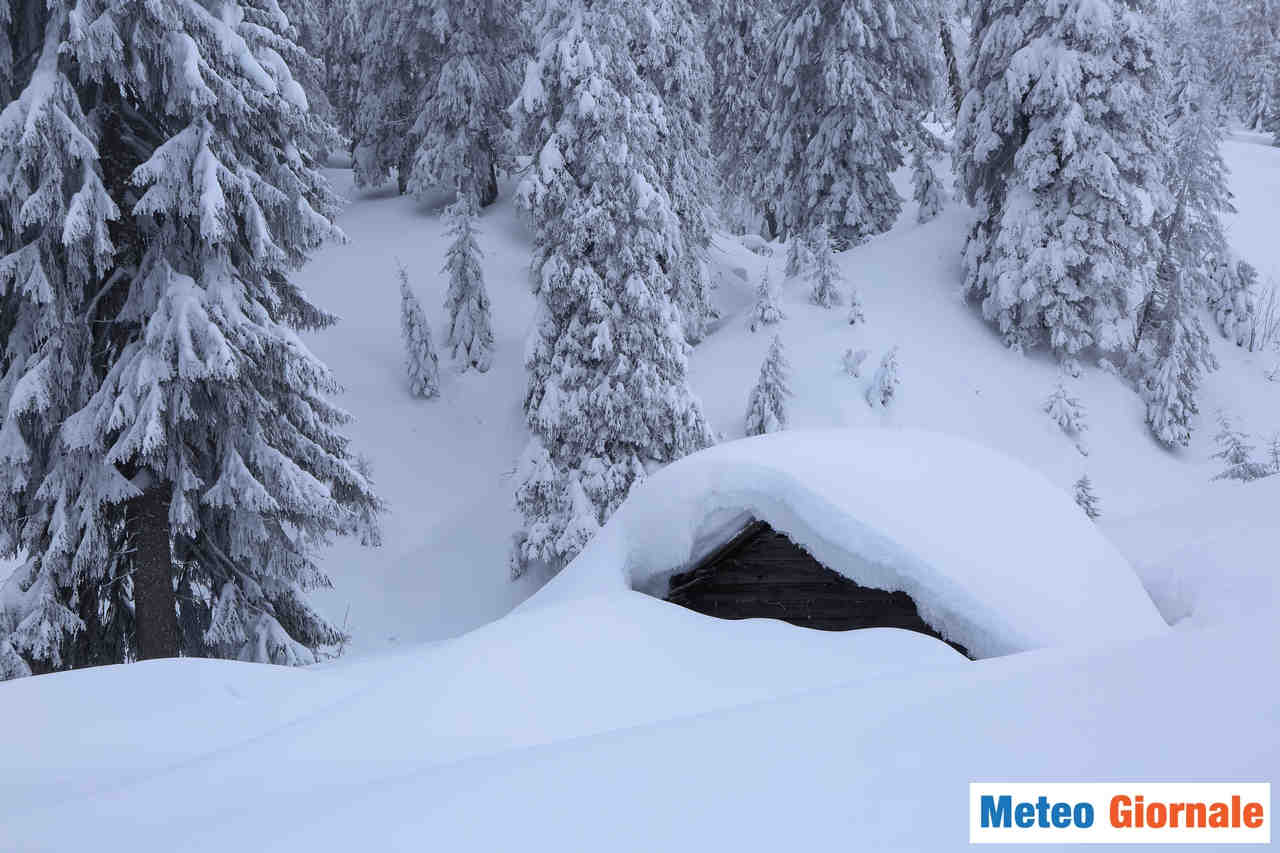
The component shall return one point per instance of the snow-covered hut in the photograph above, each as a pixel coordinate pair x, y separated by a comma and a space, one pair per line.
990, 555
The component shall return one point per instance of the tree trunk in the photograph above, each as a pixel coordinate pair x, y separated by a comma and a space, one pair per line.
490, 194
154, 603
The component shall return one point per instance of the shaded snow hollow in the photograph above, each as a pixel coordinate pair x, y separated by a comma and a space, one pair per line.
996, 557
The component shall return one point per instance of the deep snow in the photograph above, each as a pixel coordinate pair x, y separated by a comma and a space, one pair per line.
1019, 569
597, 717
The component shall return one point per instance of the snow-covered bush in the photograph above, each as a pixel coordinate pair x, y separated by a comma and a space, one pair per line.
766, 311
767, 405
419, 355
885, 383
852, 361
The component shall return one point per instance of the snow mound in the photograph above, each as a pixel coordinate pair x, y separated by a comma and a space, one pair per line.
995, 556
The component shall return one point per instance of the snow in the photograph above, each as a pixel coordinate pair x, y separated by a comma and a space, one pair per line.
595, 716
996, 557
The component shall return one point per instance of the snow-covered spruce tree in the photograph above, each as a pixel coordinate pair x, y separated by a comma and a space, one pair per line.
1066, 411
855, 307
799, 256
1256, 25
669, 57
607, 393
766, 311
1231, 284
1273, 453
1236, 454
824, 276
470, 337
420, 359
1057, 145
1171, 345
738, 33
436, 80
767, 405
927, 190
846, 86
1086, 499
885, 383
50, 179
331, 32
187, 440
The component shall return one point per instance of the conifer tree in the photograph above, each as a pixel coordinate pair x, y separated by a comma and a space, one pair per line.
607, 392
1257, 45
1085, 499
927, 190
1236, 454
1172, 346
436, 81
824, 275
1057, 147
767, 405
163, 425
885, 383
1066, 411
845, 85
420, 358
1231, 284
766, 311
800, 256
855, 307
470, 337
670, 59
1273, 453
738, 33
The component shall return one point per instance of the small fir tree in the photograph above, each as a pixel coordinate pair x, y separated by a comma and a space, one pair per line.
824, 275
766, 409
766, 311
1236, 454
1273, 453
855, 308
799, 256
1066, 411
1231, 297
885, 383
419, 354
470, 338
927, 190
1086, 499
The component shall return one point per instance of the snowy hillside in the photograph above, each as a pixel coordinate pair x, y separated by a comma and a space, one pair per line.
604, 719
445, 465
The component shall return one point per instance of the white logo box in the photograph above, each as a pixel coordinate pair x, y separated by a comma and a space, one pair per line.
1159, 800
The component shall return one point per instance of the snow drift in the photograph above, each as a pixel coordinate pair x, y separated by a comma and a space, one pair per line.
995, 556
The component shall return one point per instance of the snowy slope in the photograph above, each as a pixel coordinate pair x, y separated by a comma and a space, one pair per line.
445, 465
600, 718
